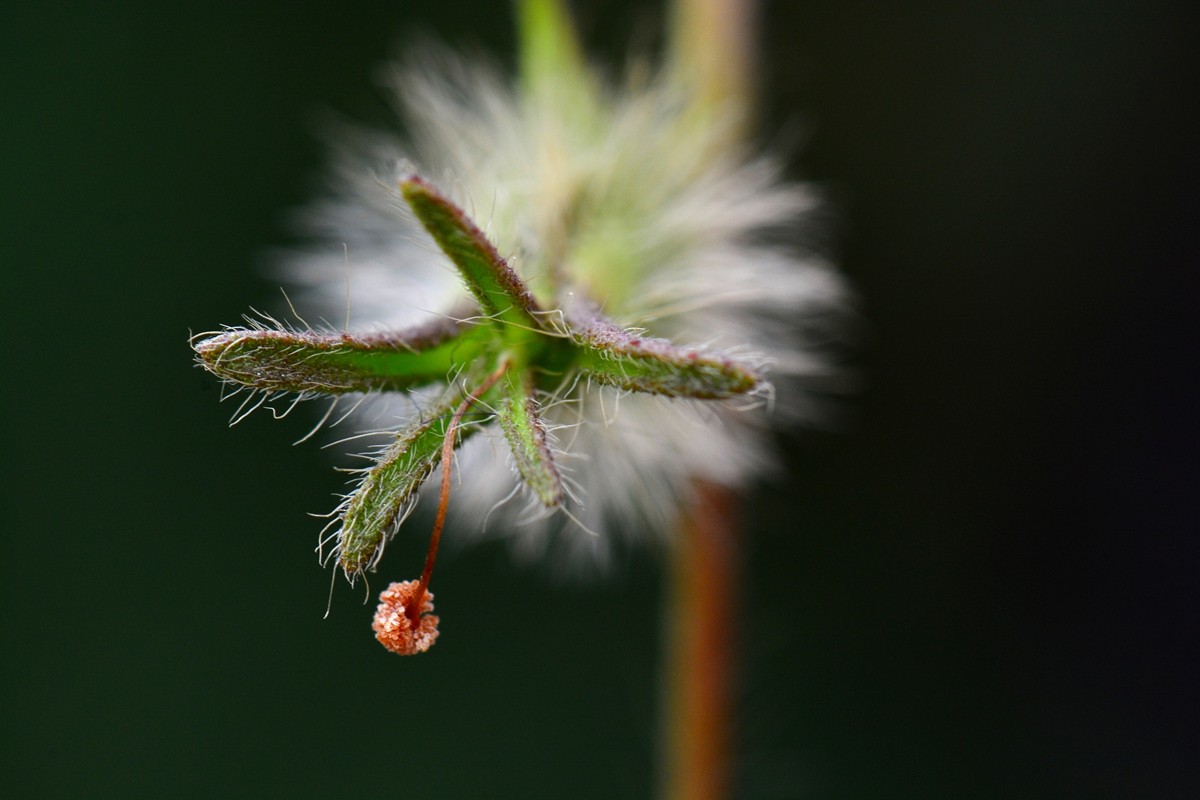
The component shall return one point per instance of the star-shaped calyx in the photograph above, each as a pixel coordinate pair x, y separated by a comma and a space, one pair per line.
503, 364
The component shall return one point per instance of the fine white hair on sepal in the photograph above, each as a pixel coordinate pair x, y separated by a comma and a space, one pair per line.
665, 227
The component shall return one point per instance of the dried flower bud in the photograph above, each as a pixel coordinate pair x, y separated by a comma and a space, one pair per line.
392, 625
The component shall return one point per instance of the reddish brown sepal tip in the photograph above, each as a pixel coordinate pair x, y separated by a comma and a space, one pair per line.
392, 626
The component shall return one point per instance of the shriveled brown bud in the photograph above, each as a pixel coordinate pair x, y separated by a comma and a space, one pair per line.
393, 627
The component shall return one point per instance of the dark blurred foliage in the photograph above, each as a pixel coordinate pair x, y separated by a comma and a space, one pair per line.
982, 584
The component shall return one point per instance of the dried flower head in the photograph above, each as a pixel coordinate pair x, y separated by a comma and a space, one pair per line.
394, 626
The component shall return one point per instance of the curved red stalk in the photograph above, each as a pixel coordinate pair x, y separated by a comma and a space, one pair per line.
414, 613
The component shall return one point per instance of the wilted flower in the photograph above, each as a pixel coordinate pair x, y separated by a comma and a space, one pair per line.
394, 626
633, 305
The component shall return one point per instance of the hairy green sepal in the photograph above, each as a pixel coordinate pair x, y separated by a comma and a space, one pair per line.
614, 357
501, 294
388, 490
519, 417
317, 362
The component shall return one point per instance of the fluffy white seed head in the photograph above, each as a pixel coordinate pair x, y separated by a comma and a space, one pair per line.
615, 197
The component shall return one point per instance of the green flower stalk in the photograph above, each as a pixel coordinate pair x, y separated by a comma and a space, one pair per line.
591, 274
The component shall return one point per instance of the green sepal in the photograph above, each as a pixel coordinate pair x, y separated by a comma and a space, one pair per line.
615, 357
501, 294
310, 362
388, 490
518, 413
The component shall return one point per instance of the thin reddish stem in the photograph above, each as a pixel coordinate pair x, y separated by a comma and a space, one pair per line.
702, 648
435, 538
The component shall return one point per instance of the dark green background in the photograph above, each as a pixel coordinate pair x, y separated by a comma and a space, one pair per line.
984, 586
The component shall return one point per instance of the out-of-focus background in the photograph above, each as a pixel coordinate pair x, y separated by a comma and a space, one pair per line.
983, 585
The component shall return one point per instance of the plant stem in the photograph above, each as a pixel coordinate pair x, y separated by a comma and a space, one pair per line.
701, 642
713, 49
435, 538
